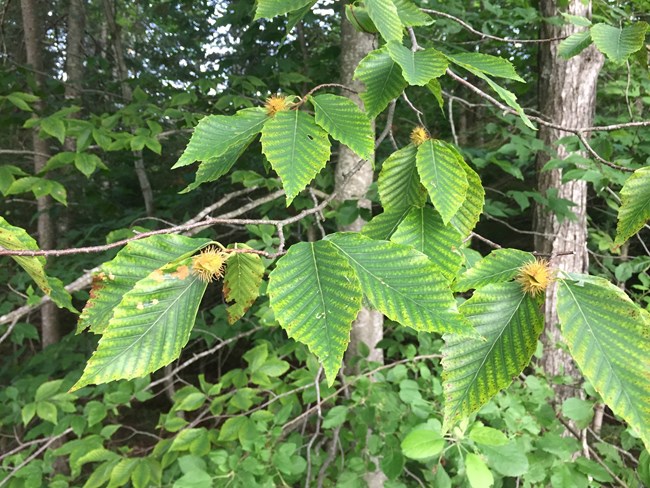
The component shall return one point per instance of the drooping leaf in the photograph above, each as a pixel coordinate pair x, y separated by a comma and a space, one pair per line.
149, 327
133, 263
443, 176
410, 14
383, 80
267, 9
511, 100
16, 239
384, 225
436, 90
315, 295
399, 184
574, 44
474, 370
619, 43
55, 127
499, 266
402, 283
609, 340
241, 283
471, 209
424, 230
418, 67
485, 63
635, 206
385, 17
296, 16
346, 123
297, 149
216, 134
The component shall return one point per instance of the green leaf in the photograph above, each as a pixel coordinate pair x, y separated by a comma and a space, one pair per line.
487, 436
215, 135
578, 410
15, 238
296, 16
384, 225
608, 338
315, 296
478, 473
133, 263
267, 9
402, 284
7, 173
297, 149
335, 416
343, 120
399, 183
241, 283
149, 327
40, 187
19, 102
422, 443
474, 370
418, 67
383, 80
470, 211
497, 267
87, 163
55, 127
635, 206
443, 176
510, 99
410, 14
509, 459
424, 230
385, 17
485, 63
574, 44
619, 43
436, 90
47, 411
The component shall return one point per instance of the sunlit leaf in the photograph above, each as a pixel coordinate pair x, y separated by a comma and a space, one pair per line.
399, 183
618, 43
418, 67
241, 283
385, 17
499, 266
635, 206
383, 80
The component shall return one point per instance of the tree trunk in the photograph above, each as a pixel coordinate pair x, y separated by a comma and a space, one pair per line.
123, 75
567, 94
368, 327
50, 327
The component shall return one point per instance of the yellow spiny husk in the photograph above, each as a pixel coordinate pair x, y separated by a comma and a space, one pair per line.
275, 104
209, 264
419, 135
535, 277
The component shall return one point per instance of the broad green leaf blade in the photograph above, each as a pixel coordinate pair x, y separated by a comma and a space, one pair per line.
133, 263
511, 100
423, 229
499, 266
297, 149
385, 17
608, 338
422, 443
410, 14
15, 239
216, 134
485, 63
470, 211
436, 90
149, 327
399, 184
443, 176
619, 43
241, 283
315, 295
478, 474
296, 16
384, 225
267, 9
383, 79
574, 44
419, 67
346, 123
635, 206
402, 284
213, 169
474, 370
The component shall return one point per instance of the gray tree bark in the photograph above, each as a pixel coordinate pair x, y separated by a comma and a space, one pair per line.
368, 327
50, 327
567, 96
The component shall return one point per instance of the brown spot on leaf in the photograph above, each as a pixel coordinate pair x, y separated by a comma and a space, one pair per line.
158, 276
182, 272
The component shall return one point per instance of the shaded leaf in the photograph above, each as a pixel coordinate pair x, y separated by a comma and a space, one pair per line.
619, 43
574, 44
384, 225
297, 149
346, 123
635, 206
315, 296
402, 283
471, 209
608, 337
474, 370
399, 183
443, 176
241, 283
267, 9
383, 80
